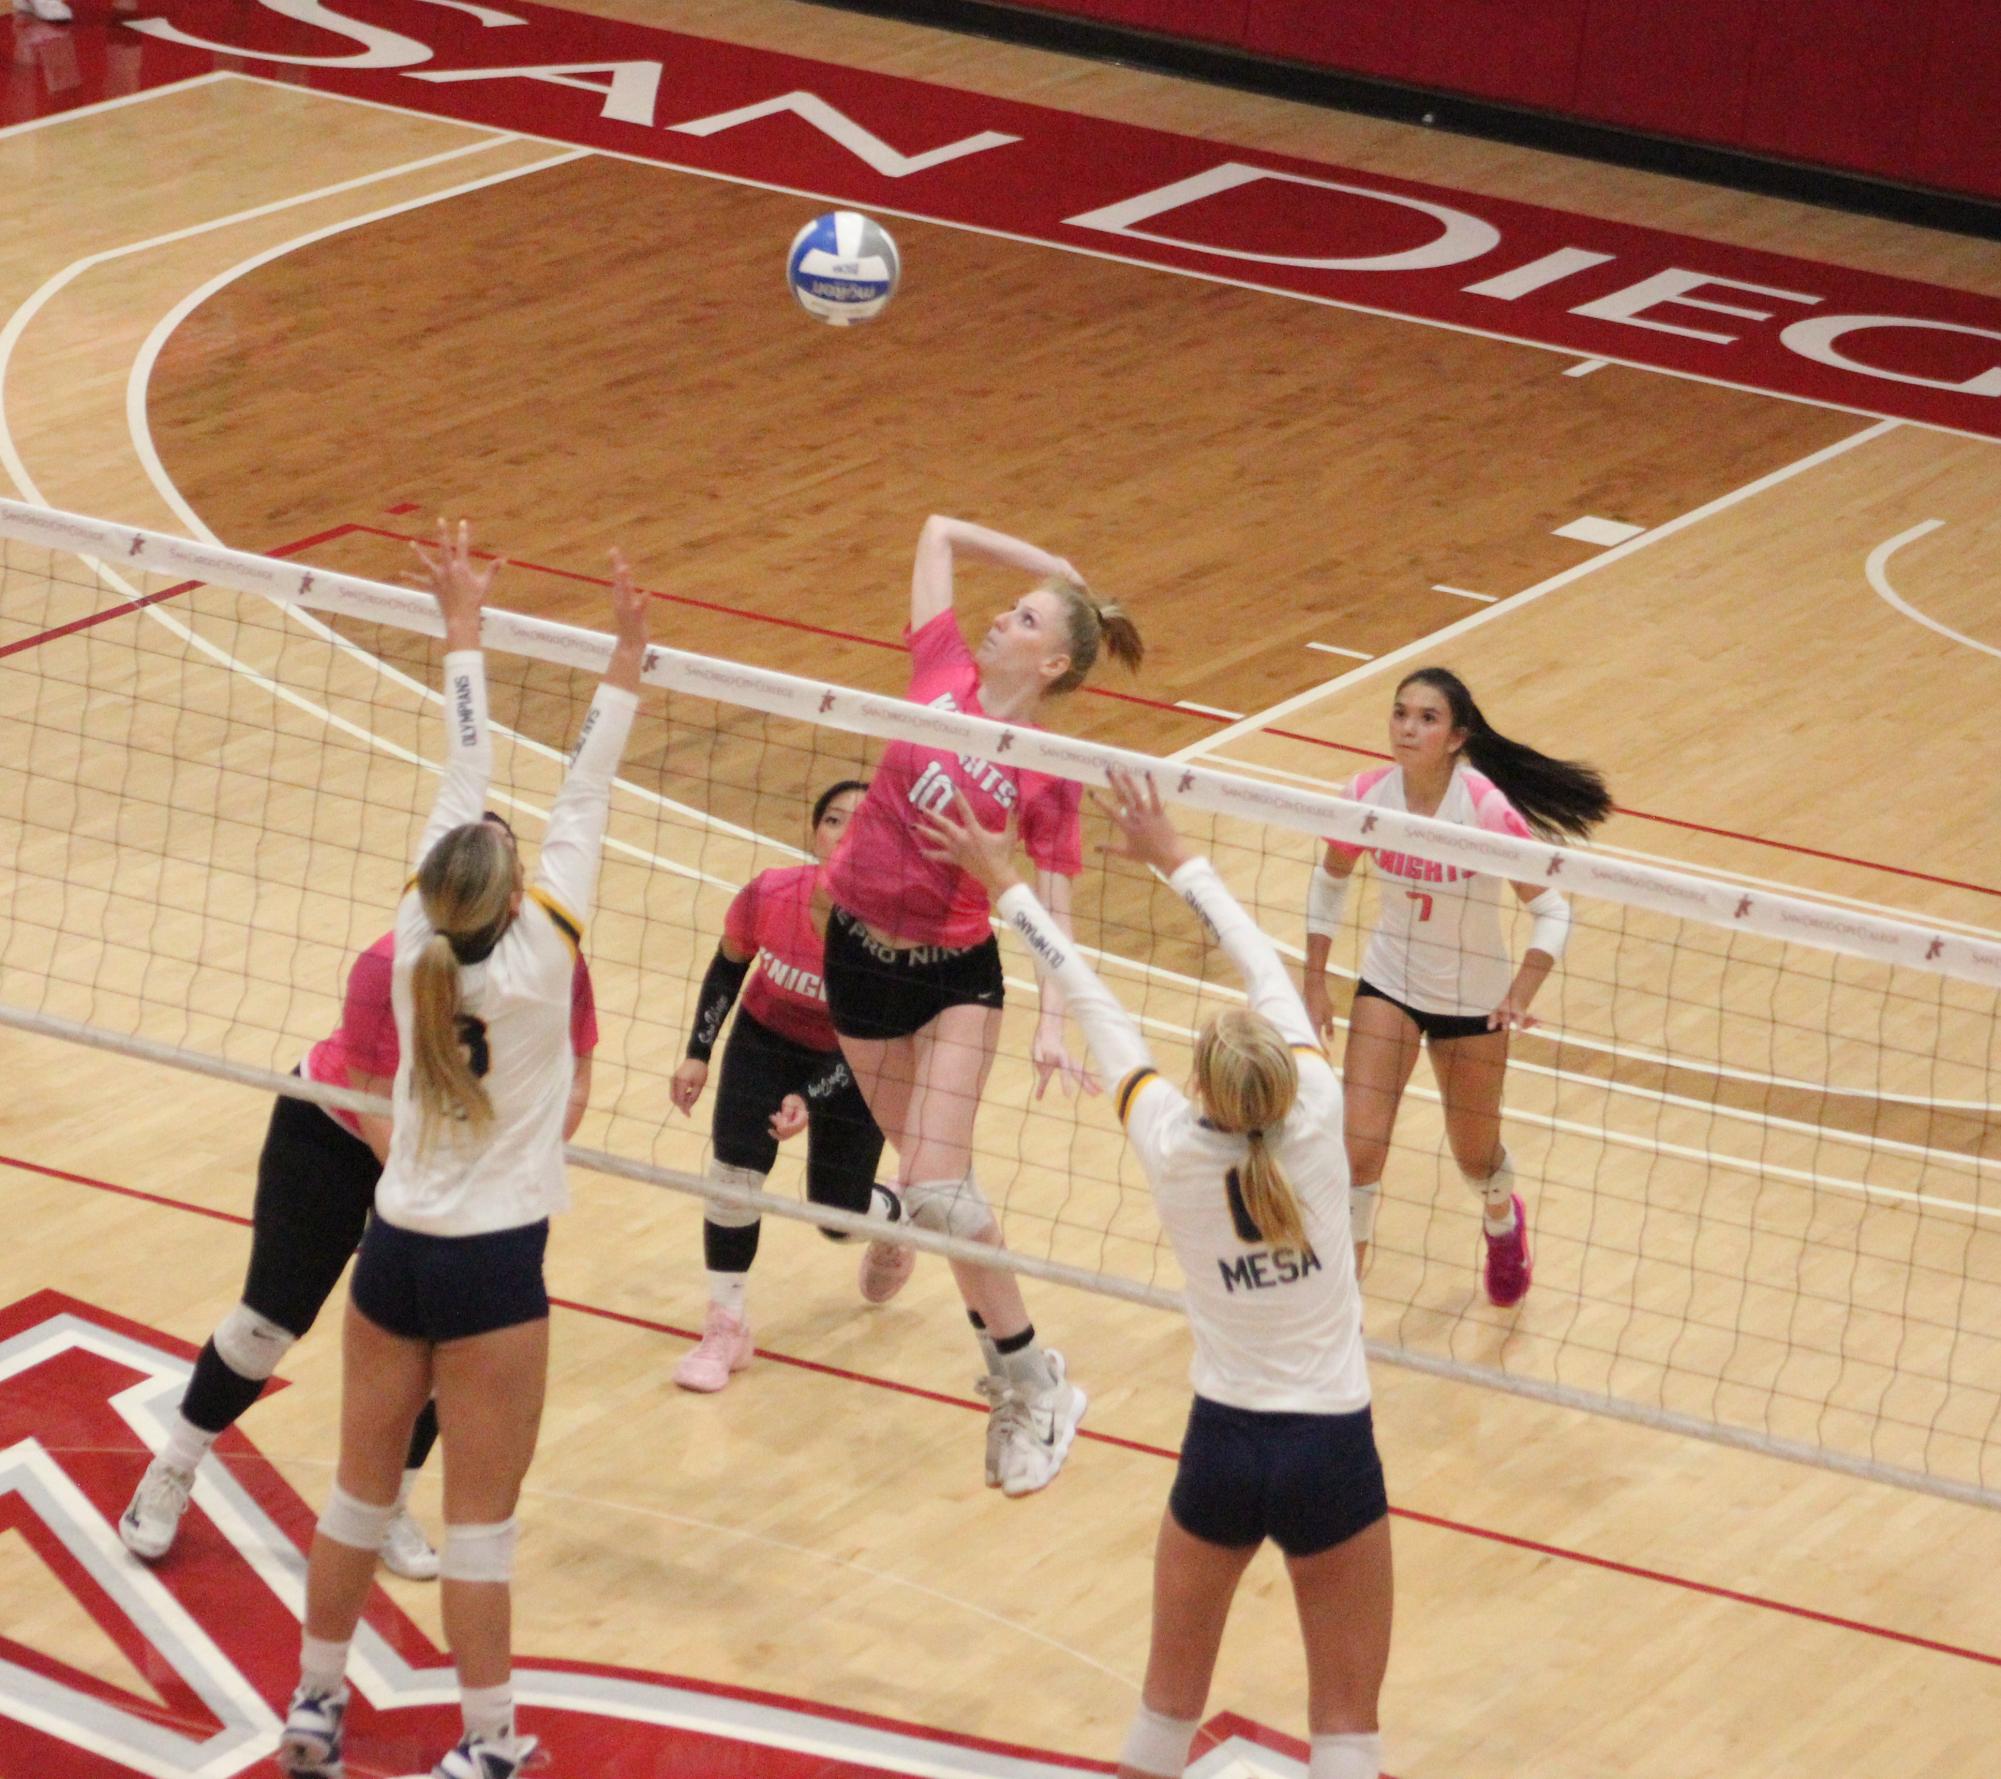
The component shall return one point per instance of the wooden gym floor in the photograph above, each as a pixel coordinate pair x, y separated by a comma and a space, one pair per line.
1254, 475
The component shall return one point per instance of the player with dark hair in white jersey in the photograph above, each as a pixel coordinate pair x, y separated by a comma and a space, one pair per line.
448, 1298
1436, 972
1250, 1181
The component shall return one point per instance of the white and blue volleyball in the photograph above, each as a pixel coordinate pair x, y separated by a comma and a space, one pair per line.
843, 268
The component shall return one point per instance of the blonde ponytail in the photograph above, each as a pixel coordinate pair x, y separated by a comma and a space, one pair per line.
1094, 624
1248, 1078
467, 884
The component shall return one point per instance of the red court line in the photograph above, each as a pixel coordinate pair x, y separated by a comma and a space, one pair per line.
1438, 1522
876, 642
133, 605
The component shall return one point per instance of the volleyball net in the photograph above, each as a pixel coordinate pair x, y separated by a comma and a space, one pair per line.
1756, 1133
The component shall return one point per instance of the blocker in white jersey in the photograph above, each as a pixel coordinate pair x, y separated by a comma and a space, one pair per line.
1249, 1179
1436, 972
448, 1293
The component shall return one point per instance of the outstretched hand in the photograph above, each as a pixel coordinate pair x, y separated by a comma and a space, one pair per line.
460, 583
1146, 831
956, 837
630, 609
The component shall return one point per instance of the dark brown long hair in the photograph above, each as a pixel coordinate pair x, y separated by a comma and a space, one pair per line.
1555, 797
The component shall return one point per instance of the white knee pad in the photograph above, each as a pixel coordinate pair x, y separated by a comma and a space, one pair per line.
355, 1523
1497, 1188
479, 1553
1358, 1755
1362, 1204
251, 1345
722, 1213
1157, 1744
950, 1207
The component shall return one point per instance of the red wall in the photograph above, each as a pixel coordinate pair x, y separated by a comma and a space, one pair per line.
1902, 89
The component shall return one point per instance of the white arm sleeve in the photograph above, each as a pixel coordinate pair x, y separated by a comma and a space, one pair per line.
1108, 1028
468, 750
1326, 896
1265, 976
1549, 931
568, 866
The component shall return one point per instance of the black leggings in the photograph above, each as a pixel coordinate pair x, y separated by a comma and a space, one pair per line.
315, 1188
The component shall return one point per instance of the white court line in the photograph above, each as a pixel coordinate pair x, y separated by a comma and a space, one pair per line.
1206, 710
1202, 275
1878, 570
99, 106
1328, 648
1431, 643
22, 318
1466, 593
1587, 366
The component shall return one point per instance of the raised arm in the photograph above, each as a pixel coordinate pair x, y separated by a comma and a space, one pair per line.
942, 540
1109, 1029
1150, 836
568, 866
461, 587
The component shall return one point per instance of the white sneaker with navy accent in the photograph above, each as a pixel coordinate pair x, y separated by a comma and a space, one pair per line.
310, 1745
1038, 1429
149, 1524
481, 1757
406, 1551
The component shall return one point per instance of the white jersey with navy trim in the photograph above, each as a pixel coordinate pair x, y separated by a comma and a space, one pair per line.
515, 1003
1274, 1331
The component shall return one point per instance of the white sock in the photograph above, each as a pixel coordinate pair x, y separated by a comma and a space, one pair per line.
1356, 1756
1502, 1222
322, 1662
730, 1290
489, 1711
186, 1446
403, 1490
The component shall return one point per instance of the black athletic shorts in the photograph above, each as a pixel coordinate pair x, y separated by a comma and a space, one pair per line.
1434, 1026
760, 1067
315, 1187
450, 1287
887, 991
1306, 1482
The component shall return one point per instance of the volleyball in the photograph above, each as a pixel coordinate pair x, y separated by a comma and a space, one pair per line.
843, 268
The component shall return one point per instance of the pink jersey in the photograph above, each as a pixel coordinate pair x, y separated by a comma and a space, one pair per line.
1437, 944
879, 875
364, 1043
772, 918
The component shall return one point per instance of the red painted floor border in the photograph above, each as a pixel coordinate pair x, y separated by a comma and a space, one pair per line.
1438, 1522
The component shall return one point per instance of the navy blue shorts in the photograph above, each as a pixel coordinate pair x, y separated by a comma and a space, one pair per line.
1306, 1482
450, 1287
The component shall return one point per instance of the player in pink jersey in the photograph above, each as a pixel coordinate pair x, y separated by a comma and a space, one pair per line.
1436, 972
782, 1072
316, 1183
913, 971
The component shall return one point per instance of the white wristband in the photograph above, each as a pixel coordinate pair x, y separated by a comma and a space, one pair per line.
1326, 896
1550, 930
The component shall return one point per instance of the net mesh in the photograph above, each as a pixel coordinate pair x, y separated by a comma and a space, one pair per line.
1756, 1136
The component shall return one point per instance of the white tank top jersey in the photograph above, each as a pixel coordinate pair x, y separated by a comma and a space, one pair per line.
515, 1003
1274, 1331
1437, 944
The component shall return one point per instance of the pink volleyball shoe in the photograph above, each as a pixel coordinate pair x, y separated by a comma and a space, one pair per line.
724, 1348
1509, 1268
886, 1269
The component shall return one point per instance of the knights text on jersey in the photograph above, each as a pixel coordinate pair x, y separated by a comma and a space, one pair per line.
1437, 944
